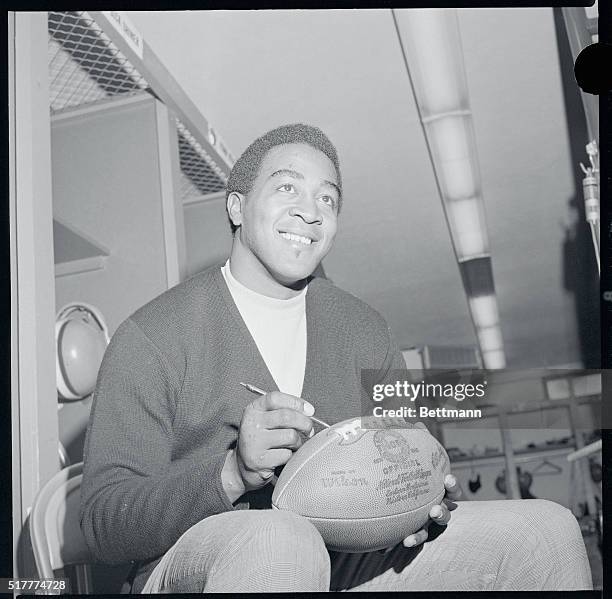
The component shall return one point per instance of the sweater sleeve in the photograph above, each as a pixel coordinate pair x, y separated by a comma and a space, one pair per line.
135, 504
394, 366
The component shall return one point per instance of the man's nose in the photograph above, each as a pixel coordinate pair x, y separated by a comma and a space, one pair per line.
307, 209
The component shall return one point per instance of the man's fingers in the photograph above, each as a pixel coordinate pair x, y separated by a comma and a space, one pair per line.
440, 514
453, 488
284, 437
268, 460
266, 474
416, 539
420, 425
275, 400
286, 418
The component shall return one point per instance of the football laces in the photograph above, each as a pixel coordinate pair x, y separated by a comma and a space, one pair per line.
349, 429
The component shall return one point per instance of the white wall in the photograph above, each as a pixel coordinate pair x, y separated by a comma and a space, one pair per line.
207, 234
106, 183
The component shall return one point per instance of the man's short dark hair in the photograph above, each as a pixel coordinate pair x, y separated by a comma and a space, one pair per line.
246, 168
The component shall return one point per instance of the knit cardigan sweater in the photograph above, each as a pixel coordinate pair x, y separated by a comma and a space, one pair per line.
168, 404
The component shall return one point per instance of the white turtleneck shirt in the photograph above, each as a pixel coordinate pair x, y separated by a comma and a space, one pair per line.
278, 327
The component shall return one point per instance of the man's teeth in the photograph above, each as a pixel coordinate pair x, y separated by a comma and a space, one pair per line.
294, 237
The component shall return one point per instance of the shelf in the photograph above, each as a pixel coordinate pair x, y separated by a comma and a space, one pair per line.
521, 456
74, 252
550, 447
475, 458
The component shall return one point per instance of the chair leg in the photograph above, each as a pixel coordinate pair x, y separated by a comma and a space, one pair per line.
82, 576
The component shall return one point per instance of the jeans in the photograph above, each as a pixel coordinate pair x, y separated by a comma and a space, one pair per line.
530, 544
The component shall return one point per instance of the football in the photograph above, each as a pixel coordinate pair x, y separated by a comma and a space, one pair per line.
364, 488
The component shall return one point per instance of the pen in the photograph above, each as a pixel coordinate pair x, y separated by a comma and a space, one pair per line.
254, 389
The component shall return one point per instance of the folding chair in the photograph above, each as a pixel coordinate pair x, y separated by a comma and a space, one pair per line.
55, 532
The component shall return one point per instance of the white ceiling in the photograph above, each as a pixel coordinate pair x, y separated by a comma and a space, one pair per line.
249, 71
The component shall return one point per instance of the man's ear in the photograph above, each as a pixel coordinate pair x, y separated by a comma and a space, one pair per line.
234, 207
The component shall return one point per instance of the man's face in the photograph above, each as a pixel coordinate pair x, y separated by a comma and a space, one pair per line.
289, 218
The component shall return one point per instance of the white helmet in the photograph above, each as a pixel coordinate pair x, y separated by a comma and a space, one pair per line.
81, 337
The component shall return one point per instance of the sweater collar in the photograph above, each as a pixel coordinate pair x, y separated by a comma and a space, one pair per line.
314, 329
280, 306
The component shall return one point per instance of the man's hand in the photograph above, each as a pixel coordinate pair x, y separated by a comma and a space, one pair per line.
440, 514
271, 430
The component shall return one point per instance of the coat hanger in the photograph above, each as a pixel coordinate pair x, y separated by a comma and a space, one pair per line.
546, 467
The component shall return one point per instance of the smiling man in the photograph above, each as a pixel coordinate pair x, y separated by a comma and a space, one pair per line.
289, 222
180, 457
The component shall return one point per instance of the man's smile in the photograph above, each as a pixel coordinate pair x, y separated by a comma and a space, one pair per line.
297, 238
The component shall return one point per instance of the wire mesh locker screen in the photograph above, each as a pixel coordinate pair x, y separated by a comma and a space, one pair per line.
85, 67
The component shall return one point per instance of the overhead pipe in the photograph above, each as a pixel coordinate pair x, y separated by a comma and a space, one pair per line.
576, 25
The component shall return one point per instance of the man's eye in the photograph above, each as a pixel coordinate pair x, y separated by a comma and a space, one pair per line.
288, 187
329, 200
